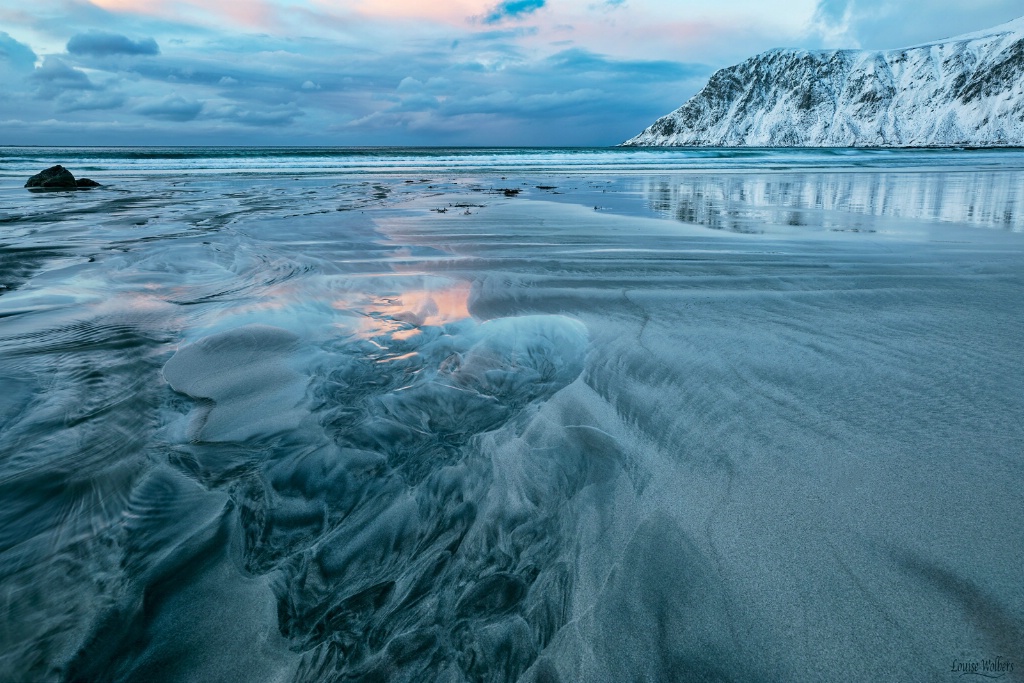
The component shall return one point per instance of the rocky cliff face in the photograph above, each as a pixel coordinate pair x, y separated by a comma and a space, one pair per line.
967, 90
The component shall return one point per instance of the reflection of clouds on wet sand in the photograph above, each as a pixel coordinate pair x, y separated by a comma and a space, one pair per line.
402, 314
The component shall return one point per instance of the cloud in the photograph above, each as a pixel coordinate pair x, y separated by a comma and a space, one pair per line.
500, 83
883, 24
572, 97
15, 54
512, 9
89, 101
276, 116
171, 108
832, 22
103, 44
584, 62
410, 84
537, 105
54, 77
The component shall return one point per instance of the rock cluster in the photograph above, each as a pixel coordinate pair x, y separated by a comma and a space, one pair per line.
58, 178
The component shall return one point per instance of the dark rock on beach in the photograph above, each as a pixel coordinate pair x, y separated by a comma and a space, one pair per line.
58, 178
53, 178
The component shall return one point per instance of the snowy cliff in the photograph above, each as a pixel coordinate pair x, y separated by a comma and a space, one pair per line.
967, 90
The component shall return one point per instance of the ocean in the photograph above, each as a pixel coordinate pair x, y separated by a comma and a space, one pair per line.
409, 414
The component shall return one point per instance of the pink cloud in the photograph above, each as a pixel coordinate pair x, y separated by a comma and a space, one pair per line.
252, 14
448, 12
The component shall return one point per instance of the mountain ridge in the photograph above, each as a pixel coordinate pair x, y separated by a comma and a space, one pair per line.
967, 90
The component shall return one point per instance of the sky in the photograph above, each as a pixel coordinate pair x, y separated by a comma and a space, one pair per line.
405, 72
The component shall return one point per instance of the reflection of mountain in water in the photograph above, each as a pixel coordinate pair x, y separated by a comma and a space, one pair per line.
839, 201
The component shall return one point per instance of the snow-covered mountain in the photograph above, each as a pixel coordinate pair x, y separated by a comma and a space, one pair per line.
967, 90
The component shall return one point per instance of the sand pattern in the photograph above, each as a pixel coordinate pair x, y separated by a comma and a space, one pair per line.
727, 426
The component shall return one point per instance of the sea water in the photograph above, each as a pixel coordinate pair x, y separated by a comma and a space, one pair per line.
511, 414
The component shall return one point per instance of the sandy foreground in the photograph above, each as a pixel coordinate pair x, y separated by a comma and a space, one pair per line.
517, 439
804, 459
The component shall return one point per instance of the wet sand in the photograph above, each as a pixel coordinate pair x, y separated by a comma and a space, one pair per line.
319, 430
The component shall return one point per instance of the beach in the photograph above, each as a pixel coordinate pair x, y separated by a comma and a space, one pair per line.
513, 415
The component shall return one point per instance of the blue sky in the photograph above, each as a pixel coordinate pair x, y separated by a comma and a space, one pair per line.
405, 72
